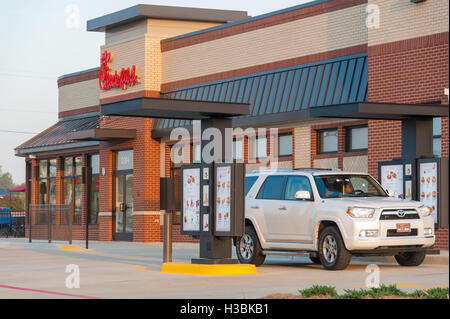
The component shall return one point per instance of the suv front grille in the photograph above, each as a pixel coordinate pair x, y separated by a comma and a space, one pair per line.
393, 233
393, 214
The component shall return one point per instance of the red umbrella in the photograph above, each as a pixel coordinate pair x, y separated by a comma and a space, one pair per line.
20, 189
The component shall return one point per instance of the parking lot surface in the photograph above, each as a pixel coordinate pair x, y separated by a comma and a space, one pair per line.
132, 270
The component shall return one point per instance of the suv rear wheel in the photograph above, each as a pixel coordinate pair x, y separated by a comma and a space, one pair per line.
332, 252
411, 258
248, 248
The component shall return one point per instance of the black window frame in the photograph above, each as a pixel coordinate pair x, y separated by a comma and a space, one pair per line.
319, 139
348, 138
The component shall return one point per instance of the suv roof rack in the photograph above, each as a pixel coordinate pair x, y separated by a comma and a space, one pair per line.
318, 169
287, 170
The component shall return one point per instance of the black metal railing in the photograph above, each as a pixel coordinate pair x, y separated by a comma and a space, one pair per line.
50, 221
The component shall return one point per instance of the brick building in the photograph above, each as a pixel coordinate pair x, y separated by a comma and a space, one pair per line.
338, 79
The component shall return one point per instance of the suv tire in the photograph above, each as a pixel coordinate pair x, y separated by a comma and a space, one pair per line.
410, 259
332, 252
248, 248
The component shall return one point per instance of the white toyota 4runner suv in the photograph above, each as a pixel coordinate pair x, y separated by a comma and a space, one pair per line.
331, 216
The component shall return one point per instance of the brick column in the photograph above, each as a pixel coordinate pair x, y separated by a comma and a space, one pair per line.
105, 194
147, 168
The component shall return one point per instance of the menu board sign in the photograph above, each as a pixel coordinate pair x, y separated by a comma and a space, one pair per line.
191, 199
392, 179
428, 186
223, 199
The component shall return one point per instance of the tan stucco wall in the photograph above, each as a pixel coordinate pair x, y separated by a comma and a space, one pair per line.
78, 95
402, 19
316, 34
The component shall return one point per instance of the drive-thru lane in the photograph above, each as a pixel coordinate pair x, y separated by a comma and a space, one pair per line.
132, 270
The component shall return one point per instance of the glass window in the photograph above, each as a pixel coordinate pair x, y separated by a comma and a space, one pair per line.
43, 169
295, 184
52, 195
238, 149
258, 147
95, 164
78, 166
53, 168
77, 204
196, 153
272, 188
285, 145
125, 160
67, 191
249, 182
357, 138
95, 187
68, 166
437, 136
328, 141
43, 192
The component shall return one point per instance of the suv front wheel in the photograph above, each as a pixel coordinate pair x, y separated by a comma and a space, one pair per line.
248, 248
332, 252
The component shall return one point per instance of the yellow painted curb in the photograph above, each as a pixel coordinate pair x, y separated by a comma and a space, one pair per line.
67, 247
208, 270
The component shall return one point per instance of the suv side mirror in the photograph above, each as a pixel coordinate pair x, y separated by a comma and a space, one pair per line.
303, 195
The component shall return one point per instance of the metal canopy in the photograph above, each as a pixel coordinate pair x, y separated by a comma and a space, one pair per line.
380, 111
176, 109
102, 134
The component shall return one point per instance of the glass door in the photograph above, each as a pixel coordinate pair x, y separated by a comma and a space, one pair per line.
124, 208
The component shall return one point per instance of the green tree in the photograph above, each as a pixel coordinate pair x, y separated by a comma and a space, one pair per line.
6, 180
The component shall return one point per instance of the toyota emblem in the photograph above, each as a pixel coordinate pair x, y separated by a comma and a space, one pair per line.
401, 213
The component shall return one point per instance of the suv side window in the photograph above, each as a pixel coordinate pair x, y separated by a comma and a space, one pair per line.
249, 182
295, 184
272, 187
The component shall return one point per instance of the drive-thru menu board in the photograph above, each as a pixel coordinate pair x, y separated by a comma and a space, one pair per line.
191, 200
392, 179
428, 186
223, 198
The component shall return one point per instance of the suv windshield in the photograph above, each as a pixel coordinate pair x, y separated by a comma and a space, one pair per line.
333, 186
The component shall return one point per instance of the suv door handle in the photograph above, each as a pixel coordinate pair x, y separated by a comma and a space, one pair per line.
255, 207
282, 208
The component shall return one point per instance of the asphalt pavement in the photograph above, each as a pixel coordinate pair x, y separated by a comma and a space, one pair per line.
132, 270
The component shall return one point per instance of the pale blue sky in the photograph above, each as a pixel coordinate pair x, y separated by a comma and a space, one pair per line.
37, 47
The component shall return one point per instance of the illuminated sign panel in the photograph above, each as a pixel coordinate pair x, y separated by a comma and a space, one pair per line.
108, 80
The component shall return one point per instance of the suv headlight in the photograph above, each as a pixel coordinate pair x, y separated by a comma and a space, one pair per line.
360, 212
424, 211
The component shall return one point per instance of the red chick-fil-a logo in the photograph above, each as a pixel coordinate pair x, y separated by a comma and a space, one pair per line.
108, 80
